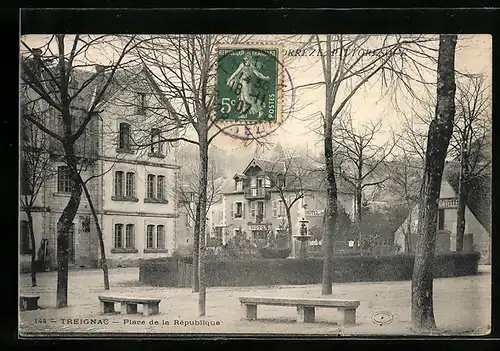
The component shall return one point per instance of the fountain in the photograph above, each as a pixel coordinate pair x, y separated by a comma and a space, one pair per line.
303, 237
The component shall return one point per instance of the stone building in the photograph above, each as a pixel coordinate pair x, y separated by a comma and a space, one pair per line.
477, 224
251, 206
131, 174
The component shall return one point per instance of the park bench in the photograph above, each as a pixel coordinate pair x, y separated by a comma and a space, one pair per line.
305, 307
28, 302
129, 304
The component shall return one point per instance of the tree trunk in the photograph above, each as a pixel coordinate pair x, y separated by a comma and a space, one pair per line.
202, 214
104, 263
290, 228
63, 226
408, 234
359, 217
331, 213
440, 131
33, 246
463, 195
196, 249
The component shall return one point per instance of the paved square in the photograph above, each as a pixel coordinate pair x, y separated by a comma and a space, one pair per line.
462, 305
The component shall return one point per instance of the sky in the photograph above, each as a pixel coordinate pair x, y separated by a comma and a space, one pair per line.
474, 55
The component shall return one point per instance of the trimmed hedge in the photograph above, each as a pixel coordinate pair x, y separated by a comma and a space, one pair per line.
174, 272
274, 253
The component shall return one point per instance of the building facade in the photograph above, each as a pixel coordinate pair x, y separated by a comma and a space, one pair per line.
476, 236
251, 206
132, 175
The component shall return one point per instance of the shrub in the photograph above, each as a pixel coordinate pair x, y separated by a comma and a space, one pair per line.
255, 271
267, 252
183, 251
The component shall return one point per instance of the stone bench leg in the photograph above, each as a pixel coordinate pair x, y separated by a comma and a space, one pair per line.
29, 304
107, 307
128, 308
305, 314
249, 311
151, 309
349, 315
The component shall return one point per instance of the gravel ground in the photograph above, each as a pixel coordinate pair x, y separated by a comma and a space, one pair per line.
462, 306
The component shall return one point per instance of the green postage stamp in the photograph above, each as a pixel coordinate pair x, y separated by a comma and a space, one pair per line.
248, 84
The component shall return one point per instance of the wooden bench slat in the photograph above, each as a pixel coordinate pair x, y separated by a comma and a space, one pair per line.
139, 300
283, 301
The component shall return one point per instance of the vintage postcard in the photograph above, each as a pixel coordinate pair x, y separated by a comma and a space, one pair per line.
254, 185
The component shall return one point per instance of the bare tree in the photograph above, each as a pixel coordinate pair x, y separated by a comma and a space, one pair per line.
440, 132
361, 156
48, 72
189, 174
404, 172
348, 62
289, 177
36, 170
471, 140
184, 67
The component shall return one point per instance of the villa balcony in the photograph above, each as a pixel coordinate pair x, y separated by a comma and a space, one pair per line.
257, 193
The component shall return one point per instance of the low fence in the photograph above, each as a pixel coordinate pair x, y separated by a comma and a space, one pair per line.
175, 272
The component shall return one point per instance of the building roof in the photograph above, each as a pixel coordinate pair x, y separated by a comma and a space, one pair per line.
314, 181
480, 193
239, 176
89, 82
267, 166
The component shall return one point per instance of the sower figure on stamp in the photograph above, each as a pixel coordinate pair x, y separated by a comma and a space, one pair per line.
241, 79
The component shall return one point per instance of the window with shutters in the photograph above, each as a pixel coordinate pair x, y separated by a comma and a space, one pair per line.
238, 210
